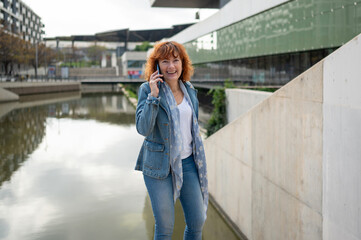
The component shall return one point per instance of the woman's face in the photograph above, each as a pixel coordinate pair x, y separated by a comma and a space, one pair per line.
171, 68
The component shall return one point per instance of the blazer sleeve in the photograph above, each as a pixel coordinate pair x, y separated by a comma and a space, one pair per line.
147, 111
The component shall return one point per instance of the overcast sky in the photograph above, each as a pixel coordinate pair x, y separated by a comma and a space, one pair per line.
83, 17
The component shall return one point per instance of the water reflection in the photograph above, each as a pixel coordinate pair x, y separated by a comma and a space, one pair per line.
214, 229
23, 129
21, 132
67, 172
73, 187
65, 169
108, 108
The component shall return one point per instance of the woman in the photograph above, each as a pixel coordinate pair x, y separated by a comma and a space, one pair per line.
172, 157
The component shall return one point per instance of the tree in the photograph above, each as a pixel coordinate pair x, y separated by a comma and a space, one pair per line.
95, 52
14, 50
10, 49
143, 47
45, 55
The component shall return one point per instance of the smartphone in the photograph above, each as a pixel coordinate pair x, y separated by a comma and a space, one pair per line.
158, 69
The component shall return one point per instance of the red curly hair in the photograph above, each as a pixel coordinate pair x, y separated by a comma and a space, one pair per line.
162, 50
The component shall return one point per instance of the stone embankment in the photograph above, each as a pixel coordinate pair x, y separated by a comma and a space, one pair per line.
10, 91
7, 96
132, 100
92, 72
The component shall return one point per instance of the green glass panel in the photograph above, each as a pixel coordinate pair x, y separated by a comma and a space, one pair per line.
298, 25
357, 19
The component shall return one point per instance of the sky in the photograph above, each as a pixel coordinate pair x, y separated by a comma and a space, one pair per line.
87, 17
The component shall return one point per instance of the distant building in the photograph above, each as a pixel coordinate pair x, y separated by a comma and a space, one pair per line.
133, 64
261, 42
18, 18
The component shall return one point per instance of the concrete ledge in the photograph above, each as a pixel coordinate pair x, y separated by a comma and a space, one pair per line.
239, 101
226, 218
37, 100
7, 96
40, 87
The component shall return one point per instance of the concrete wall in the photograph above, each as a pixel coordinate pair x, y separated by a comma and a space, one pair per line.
92, 72
342, 143
239, 101
28, 88
290, 167
37, 100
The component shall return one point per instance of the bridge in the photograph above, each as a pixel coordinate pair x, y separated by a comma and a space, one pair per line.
101, 80
198, 83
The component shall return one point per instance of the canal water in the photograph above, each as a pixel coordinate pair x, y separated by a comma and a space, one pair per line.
67, 172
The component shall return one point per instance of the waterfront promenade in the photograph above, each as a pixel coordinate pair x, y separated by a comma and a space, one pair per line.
288, 168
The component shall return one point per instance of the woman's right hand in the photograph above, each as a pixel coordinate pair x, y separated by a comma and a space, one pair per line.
153, 83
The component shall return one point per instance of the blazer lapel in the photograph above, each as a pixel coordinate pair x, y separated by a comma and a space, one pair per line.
163, 101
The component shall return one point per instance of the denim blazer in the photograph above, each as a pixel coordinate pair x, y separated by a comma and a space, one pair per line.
153, 122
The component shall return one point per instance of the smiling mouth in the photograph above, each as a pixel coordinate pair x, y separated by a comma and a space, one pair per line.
171, 72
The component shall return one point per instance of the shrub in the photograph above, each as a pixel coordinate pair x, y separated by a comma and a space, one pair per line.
219, 116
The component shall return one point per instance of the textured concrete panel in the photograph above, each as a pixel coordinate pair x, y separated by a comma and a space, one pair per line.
239, 197
342, 173
333, 231
242, 144
278, 215
239, 101
298, 156
233, 192
342, 75
211, 162
243, 175
287, 133
229, 175
342, 143
235, 140
279, 141
308, 86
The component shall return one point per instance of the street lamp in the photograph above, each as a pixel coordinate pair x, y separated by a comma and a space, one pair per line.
36, 60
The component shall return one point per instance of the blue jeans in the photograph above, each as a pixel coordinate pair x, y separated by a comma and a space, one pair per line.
161, 195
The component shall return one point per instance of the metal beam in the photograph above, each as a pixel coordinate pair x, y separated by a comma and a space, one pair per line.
125, 35
186, 3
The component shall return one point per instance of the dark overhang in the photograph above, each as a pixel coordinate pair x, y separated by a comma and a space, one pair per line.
125, 35
186, 3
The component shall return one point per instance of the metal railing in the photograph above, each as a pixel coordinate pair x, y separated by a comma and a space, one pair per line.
33, 78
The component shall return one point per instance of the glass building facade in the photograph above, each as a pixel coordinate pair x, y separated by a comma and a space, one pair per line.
18, 18
276, 45
274, 70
